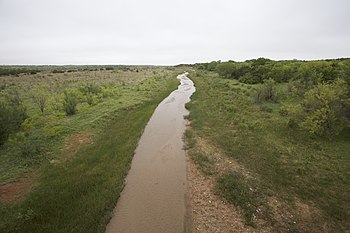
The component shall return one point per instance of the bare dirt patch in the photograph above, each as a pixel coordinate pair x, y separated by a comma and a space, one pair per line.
221, 163
72, 144
209, 212
16, 190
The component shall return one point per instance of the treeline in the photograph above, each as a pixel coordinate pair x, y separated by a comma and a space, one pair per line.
16, 70
4, 71
257, 70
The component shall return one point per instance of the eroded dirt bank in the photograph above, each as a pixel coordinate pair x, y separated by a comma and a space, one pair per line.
153, 199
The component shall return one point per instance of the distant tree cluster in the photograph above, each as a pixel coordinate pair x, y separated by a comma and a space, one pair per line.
257, 70
15, 71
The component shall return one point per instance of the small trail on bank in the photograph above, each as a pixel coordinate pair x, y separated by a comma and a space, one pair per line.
154, 197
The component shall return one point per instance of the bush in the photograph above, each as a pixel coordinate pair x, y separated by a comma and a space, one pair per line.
91, 88
70, 102
89, 99
325, 108
27, 145
12, 114
40, 97
267, 91
301, 86
247, 78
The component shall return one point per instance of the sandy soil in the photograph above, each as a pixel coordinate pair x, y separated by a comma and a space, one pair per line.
210, 213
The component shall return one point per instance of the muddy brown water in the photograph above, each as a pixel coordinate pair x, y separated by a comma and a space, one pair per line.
154, 197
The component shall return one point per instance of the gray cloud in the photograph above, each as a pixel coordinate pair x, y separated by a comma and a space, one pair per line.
170, 32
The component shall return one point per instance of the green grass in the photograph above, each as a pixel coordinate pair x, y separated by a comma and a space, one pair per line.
43, 134
241, 192
287, 162
79, 194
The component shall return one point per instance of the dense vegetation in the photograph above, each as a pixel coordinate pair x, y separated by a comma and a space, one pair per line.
322, 86
288, 133
74, 136
257, 70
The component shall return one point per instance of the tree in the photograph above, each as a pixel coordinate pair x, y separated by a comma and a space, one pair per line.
212, 65
226, 69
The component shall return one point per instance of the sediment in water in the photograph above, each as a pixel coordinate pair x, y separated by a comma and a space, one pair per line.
154, 197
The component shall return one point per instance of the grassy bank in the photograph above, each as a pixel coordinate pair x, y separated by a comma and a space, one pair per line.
98, 94
77, 185
295, 182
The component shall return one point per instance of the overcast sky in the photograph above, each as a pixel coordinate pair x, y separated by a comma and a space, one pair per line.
171, 32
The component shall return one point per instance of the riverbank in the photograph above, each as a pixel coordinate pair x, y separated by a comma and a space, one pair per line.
76, 189
275, 176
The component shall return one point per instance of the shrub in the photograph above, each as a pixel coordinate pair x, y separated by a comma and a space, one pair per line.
267, 91
91, 88
247, 78
325, 108
301, 86
70, 102
12, 114
89, 99
27, 145
40, 97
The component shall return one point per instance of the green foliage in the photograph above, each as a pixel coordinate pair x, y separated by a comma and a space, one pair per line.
247, 78
89, 183
203, 163
285, 161
91, 88
324, 108
70, 102
190, 139
40, 97
266, 92
41, 134
226, 69
303, 84
305, 74
27, 145
12, 114
18, 70
89, 99
212, 65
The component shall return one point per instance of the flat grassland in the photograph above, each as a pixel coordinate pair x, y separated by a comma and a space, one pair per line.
271, 171
64, 167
